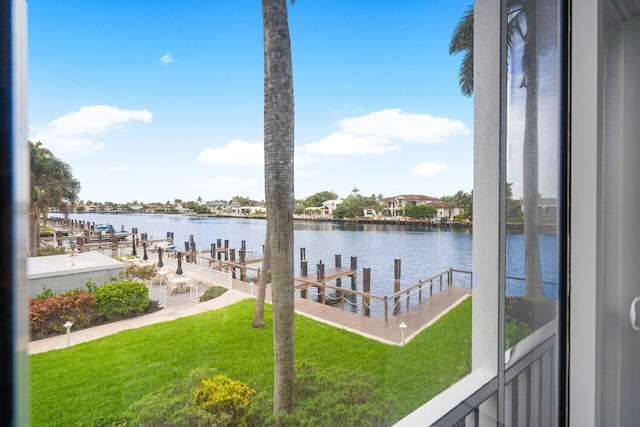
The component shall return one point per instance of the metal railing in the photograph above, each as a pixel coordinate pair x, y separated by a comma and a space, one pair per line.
530, 388
366, 302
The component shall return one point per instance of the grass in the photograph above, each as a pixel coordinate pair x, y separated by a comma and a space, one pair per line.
104, 377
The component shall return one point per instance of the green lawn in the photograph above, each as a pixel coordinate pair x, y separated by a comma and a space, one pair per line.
104, 377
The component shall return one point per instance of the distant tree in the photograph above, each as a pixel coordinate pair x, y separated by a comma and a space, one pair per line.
198, 208
243, 201
319, 198
299, 206
514, 207
80, 209
461, 199
177, 201
421, 211
353, 206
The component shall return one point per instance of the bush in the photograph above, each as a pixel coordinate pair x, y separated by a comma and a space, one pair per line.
227, 399
460, 218
50, 250
173, 405
529, 312
121, 298
212, 292
133, 272
48, 316
46, 293
328, 398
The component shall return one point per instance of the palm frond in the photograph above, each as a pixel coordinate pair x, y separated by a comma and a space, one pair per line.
462, 41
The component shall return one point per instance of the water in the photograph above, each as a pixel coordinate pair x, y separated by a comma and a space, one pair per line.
423, 251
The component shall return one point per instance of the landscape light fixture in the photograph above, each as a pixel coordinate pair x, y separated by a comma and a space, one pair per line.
68, 325
403, 326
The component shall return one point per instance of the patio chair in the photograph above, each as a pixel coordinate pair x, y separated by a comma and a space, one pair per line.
170, 285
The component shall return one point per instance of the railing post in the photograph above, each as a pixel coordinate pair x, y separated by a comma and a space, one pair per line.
440, 281
450, 277
420, 292
303, 273
354, 267
338, 259
431, 287
396, 286
386, 310
243, 259
366, 288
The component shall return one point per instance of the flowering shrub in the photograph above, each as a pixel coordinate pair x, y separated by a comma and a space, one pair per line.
49, 315
120, 298
225, 397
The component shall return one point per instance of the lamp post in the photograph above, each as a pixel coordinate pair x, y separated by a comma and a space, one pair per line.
403, 326
68, 325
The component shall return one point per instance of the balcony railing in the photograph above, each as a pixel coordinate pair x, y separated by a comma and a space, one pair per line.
530, 389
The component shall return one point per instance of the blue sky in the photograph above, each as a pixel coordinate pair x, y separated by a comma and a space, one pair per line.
158, 100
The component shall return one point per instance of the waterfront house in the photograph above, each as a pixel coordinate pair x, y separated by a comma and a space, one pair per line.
329, 206
396, 206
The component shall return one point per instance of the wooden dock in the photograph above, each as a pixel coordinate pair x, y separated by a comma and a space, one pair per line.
416, 318
329, 275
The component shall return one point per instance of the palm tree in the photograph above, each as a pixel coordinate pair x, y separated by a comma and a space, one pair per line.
52, 183
258, 314
521, 28
278, 155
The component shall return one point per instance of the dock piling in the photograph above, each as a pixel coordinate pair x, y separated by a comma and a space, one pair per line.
366, 288
396, 285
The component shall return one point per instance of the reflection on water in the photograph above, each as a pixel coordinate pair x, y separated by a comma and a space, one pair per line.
423, 251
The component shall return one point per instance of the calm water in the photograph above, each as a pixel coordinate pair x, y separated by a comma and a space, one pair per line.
422, 251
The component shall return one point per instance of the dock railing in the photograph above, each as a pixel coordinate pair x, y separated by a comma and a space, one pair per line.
432, 284
306, 287
419, 291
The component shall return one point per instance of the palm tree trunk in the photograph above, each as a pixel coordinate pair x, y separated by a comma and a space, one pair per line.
533, 286
279, 148
34, 232
258, 314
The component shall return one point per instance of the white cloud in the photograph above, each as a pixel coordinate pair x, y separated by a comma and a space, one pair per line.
74, 133
382, 131
347, 144
236, 152
166, 58
394, 124
428, 169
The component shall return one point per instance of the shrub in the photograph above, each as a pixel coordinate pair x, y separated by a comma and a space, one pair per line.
328, 398
460, 218
173, 405
51, 250
120, 298
227, 399
49, 315
133, 272
529, 312
46, 293
212, 292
